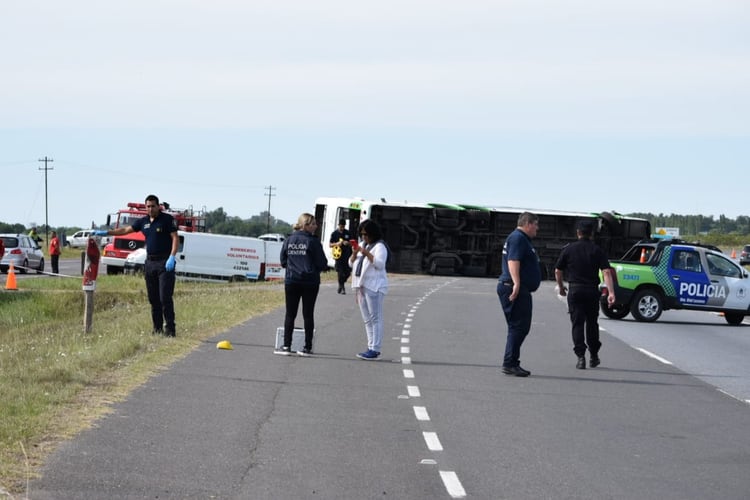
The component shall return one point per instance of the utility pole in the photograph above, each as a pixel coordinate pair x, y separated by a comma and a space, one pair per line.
269, 194
46, 209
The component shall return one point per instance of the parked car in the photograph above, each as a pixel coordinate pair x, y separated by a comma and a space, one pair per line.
23, 252
271, 237
80, 239
745, 255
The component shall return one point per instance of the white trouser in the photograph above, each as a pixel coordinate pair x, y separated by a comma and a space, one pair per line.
371, 307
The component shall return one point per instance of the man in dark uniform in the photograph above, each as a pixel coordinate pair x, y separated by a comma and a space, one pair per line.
521, 275
162, 242
342, 249
580, 262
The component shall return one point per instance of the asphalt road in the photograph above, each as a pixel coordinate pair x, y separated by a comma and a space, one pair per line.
68, 268
434, 419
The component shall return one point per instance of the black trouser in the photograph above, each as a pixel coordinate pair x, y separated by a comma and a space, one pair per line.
56, 263
343, 270
160, 288
308, 293
583, 305
518, 316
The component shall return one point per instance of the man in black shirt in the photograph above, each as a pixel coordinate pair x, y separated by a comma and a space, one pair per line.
342, 250
581, 262
162, 243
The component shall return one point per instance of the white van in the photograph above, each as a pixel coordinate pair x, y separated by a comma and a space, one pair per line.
220, 257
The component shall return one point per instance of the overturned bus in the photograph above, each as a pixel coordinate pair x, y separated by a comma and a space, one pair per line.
446, 239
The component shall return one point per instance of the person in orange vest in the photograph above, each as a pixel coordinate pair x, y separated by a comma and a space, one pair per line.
54, 252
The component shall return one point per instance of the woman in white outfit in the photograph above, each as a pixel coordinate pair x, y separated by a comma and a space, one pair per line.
370, 284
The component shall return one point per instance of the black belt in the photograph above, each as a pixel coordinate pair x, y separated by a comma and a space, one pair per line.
582, 285
158, 257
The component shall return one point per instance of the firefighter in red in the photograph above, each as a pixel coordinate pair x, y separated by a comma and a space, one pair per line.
160, 230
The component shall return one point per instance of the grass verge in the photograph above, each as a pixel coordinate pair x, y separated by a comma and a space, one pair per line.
55, 380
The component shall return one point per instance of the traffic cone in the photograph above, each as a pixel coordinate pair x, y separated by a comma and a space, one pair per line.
734, 254
10, 283
643, 255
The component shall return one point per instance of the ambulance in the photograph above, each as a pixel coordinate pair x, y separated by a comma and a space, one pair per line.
220, 257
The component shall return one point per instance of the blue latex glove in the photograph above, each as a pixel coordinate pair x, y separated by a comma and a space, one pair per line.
170, 263
100, 232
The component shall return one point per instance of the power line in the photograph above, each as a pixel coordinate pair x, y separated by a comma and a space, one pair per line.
46, 205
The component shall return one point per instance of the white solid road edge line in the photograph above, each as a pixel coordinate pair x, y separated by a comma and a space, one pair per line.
452, 484
654, 356
666, 362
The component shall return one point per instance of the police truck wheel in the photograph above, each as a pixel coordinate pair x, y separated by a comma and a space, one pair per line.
647, 305
615, 312
734, 318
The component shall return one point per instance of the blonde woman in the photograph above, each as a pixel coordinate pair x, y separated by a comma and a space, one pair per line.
303, 258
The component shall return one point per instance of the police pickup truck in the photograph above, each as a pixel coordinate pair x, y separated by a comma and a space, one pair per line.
656, 275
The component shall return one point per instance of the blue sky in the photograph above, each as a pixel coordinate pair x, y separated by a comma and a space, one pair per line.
628, 106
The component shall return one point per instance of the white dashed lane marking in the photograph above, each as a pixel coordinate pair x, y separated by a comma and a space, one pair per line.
452, 484
421, 413
450, 478
432, 441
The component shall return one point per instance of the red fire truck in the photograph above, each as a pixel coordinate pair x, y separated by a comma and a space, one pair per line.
117, 250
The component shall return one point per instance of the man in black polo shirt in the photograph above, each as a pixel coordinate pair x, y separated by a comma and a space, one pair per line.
160, 230
340, 240
580, 262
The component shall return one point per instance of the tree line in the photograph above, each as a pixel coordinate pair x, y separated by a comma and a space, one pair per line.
700, 224
721, 231
217, 221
